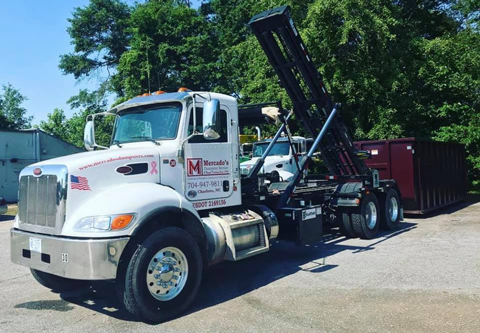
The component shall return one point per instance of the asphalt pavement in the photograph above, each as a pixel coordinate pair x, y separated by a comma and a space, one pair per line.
421, 278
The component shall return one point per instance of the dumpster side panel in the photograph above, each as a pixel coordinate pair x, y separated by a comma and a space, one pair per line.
404, 171
380, 152
429, 174
442, 174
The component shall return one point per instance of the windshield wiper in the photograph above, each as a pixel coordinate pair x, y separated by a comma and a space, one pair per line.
116, 142
146, 138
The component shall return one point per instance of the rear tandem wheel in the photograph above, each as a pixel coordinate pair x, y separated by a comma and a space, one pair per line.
390, 210
345, 223
366, 219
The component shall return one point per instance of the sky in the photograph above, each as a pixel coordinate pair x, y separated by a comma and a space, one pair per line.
33, 35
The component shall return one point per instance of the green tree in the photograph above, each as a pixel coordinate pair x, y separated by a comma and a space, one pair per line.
399, 68
99, 33
89, 103
172, 46
241, 60
56, 125
470, 10
4, 123
453, 73
71, 129
12, 113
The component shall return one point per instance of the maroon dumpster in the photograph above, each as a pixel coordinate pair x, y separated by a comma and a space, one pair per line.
430, 174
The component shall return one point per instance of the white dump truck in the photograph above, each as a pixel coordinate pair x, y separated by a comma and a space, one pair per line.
166, 199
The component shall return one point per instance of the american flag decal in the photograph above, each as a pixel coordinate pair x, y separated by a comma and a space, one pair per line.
79, 183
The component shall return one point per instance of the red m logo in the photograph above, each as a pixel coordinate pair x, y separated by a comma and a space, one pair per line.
194, 167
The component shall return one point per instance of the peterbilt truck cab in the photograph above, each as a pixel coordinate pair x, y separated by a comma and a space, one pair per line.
139, 209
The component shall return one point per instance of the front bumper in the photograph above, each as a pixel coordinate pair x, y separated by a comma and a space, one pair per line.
82, 259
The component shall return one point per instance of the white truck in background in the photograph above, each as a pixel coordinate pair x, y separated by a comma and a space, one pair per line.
167, 199
282, 159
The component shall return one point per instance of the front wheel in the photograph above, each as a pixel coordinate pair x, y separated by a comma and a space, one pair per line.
56, 283
163, 276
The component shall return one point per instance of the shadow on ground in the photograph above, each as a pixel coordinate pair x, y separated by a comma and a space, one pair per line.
6, 218
229, 280
55, 305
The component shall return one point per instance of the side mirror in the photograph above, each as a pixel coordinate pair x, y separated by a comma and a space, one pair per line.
89, 135
211, 119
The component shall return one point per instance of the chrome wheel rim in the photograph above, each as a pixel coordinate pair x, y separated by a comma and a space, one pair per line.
371, 216
393, 209
167, 273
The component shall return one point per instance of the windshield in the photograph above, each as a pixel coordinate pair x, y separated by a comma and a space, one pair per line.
159, 122
247, 149
280, 148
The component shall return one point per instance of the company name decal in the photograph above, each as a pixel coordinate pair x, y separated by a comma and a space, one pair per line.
208, 179
201, 167
309, 214
113, 159
215, 163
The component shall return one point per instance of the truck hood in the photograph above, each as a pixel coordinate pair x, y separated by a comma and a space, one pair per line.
108, 157
92, 173
269, 165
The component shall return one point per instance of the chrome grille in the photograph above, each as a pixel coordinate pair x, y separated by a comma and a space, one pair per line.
37, 200
42, 199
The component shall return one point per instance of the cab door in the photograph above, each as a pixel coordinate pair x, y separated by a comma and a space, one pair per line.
208, 163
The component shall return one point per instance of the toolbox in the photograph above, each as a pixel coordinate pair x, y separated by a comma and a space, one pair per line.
303, 223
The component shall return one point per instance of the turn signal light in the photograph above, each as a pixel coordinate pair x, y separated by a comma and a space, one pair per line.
121, 222
183, 89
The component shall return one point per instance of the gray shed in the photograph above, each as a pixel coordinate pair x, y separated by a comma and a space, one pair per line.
21, 148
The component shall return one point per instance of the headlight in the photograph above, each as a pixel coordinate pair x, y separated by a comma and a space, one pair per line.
104, 223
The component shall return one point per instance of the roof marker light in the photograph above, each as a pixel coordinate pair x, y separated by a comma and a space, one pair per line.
183, 89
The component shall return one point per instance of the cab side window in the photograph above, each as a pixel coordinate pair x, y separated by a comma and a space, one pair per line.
199, 138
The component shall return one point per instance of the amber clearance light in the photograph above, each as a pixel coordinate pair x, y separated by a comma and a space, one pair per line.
121, 222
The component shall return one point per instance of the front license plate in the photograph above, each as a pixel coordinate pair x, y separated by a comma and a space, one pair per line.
35, 244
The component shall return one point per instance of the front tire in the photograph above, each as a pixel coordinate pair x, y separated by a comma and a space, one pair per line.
56, 283
163, 276
367, 221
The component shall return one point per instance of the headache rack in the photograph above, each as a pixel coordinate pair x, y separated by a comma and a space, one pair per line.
312, 104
